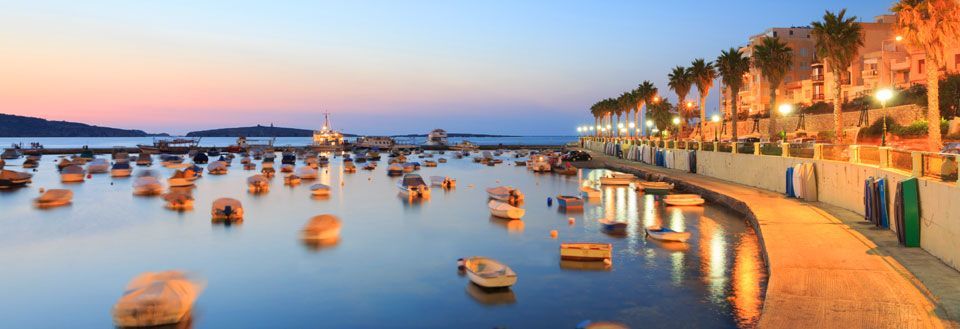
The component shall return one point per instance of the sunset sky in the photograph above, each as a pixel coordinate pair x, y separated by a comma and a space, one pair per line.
514, 67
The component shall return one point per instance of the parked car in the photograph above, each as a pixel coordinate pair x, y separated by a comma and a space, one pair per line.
576, 156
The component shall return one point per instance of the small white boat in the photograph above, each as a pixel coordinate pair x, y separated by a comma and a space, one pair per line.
505, 210
154, 299
322, 228
121, 168
54, 198
586, 251
443, 181
217, 168
617, 179
291, 179
10, 178
505, 193
180, 178
178, 201
489, 273
412, 185
683, 200
307, 172
258, 183
72, 174
665, 234
98, 166
656, 188
319, 190
147, 185
226, 209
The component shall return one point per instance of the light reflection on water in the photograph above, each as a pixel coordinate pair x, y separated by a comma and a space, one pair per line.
394, 263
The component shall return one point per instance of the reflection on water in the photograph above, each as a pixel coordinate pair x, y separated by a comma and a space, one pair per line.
394, 264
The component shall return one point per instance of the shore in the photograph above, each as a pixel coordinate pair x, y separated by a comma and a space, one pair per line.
822, 272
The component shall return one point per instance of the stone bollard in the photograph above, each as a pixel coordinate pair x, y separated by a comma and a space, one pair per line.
785, 149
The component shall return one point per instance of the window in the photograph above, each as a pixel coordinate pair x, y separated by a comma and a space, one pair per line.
956, 59
791, 32
803, 52
920, 65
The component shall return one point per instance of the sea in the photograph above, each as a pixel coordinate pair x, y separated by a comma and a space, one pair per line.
107, 142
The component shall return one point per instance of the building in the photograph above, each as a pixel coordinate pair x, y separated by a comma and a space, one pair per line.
754, 97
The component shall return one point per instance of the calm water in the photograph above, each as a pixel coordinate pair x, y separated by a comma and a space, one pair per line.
394, 266
106, 142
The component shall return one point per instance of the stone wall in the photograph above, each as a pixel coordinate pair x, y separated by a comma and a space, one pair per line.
903, 115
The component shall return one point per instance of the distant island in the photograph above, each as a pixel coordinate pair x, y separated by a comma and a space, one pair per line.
256, 131
21, 126
456, 135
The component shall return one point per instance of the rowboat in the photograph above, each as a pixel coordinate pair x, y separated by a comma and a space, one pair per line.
71, 174
489, 273
613, 227
683, 200
54, 198
180, 178
258, 183
226, 210
154, 299
319, 190
322, 228
505, 193
656, 188
412, 185
10, 178
586, 251
147, 185
666, 234
98, 166
617, 179
178, 201
121, 168
505, 210
291, 179
569, 201
589, 191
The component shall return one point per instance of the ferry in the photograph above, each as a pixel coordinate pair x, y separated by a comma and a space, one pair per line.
327, 139
437, 137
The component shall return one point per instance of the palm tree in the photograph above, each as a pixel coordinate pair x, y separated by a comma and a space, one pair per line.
732, 65
773, 58
624, 102
660, 114
703, 75
597, 111
837, 41
680, 80
931, 26
643, 95
609, 107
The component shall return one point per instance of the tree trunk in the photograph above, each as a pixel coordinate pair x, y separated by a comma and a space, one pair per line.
773, 114
933, 105
596, 122
837, 107
636, 123
703, 114
734, 94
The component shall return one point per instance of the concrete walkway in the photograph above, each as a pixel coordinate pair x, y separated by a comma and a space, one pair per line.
823, 273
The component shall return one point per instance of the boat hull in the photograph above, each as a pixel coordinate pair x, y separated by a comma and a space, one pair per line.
586, 252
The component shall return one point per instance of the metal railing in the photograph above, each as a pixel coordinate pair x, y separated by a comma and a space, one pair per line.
725, 147
801, 150
939, 166
836, 152
771, 149
870, 155
746, 148
898, 159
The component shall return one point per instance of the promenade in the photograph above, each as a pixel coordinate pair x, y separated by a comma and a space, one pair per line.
823, 273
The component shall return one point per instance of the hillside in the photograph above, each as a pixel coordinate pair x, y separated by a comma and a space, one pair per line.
21, 126
255, 131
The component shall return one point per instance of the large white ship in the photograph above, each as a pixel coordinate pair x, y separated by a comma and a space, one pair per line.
327, 139
437, 137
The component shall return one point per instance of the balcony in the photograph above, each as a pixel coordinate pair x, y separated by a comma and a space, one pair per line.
817, 78
818, 97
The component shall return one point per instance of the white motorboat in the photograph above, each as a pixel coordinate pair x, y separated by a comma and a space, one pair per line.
54, 198
437, 137
666, 234
226, 210
147, 185
217, 168
489, 273
505, 194
505, 210
319, 190
155, 299
321, 229
617, 179
258, 183
121, 168
308, 173
98, 166
72, 174
10, 178
412, 185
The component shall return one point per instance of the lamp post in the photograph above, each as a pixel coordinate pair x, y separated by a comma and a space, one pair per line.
620, 129
883, 95
676, 122
610, 129
649, 128
785, 109
716, 130
631, 126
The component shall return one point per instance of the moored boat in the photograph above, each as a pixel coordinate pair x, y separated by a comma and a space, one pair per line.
226, 210
489, 273
683, 200
590, 191
178, 201
121, 168
155, 299
320, 190
505, 193
10, 178
666, 234
98, 166
395, 170
412, 185
291, 179
321, 229
586, 251
505, 210
617, 179
307, 173
147, 184
611, 226
72, 174
217, 168
656, 188
258, 183
569, 201
54, 198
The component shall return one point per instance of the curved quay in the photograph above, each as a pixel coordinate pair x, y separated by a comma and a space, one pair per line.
822, 273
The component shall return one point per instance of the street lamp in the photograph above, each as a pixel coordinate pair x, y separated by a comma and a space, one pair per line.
883, 95
785, 109
716, 130
649, 128
676, 122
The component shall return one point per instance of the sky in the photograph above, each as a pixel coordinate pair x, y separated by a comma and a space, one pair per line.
378, 67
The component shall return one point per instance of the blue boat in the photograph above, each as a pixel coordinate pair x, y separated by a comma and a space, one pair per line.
569, 201
613, 227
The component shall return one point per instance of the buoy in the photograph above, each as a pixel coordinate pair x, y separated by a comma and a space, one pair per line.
553, 234
89, 176
571, 220
549, 201
460, 265
42, 190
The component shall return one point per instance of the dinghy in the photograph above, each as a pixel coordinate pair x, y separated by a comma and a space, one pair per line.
10, 178
569, 201
98, 166
395, 170
72, 174
54, 198
121, 168
258, 183
505, 210
613, 227
226, 210
590, 191
322, 229
443, 181
287, 168
412, 185
291, 179
180, 179
178, 200
505, 193
308, 173
666, 234
370, 166
320, 190
586, 251
489, 273
617, 179
154, 299
656, 188
147, 184
217, 168
683, 200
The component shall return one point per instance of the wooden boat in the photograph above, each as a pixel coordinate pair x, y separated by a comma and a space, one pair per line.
666, 234
258, 183
322, 228
154, 299
178, 201
147, 185
10, 178
586, 251
412, 185
489, 273
569, 201
613, 227
226, 209
319, 190
589, 191
656, 188
617, 179
72, 173
54, 198
505, 210
683, 200
505, 193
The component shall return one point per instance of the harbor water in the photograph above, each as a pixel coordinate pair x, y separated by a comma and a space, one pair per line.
108, 142
394, 265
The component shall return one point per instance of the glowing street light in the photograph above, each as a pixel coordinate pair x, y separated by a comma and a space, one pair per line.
716, 130
676, 121
899, 38
785, 109
631, 125
884, 95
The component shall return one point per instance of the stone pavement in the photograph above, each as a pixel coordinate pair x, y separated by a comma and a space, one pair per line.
822, 272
